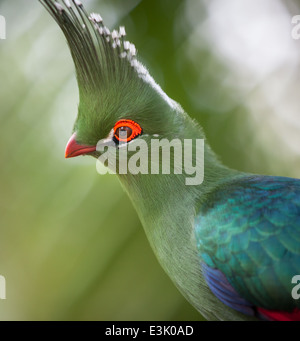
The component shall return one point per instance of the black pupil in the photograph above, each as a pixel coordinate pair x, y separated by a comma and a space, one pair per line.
124, 132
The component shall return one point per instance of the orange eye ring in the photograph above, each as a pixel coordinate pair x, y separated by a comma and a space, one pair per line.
126, 131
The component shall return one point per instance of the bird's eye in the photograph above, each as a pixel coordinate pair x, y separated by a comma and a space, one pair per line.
126, 130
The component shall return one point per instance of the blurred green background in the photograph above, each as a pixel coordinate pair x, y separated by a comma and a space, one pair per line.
71, 245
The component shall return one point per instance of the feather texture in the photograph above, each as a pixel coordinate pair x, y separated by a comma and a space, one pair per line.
101, 58
249, 229
112, 83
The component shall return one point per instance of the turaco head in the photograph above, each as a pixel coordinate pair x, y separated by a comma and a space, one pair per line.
119, 100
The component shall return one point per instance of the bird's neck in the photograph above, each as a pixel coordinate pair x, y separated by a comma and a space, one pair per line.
167, 206
162, 199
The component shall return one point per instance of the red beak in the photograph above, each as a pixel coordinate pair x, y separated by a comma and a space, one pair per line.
75, 149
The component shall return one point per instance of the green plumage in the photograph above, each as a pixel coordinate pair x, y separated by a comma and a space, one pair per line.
233, 225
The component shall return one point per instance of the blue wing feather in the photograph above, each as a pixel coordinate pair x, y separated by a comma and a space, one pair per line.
222, 289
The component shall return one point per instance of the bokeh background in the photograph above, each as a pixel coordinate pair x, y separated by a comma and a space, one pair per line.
71, 244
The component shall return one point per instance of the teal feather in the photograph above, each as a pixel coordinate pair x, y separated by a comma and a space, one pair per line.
260, 257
